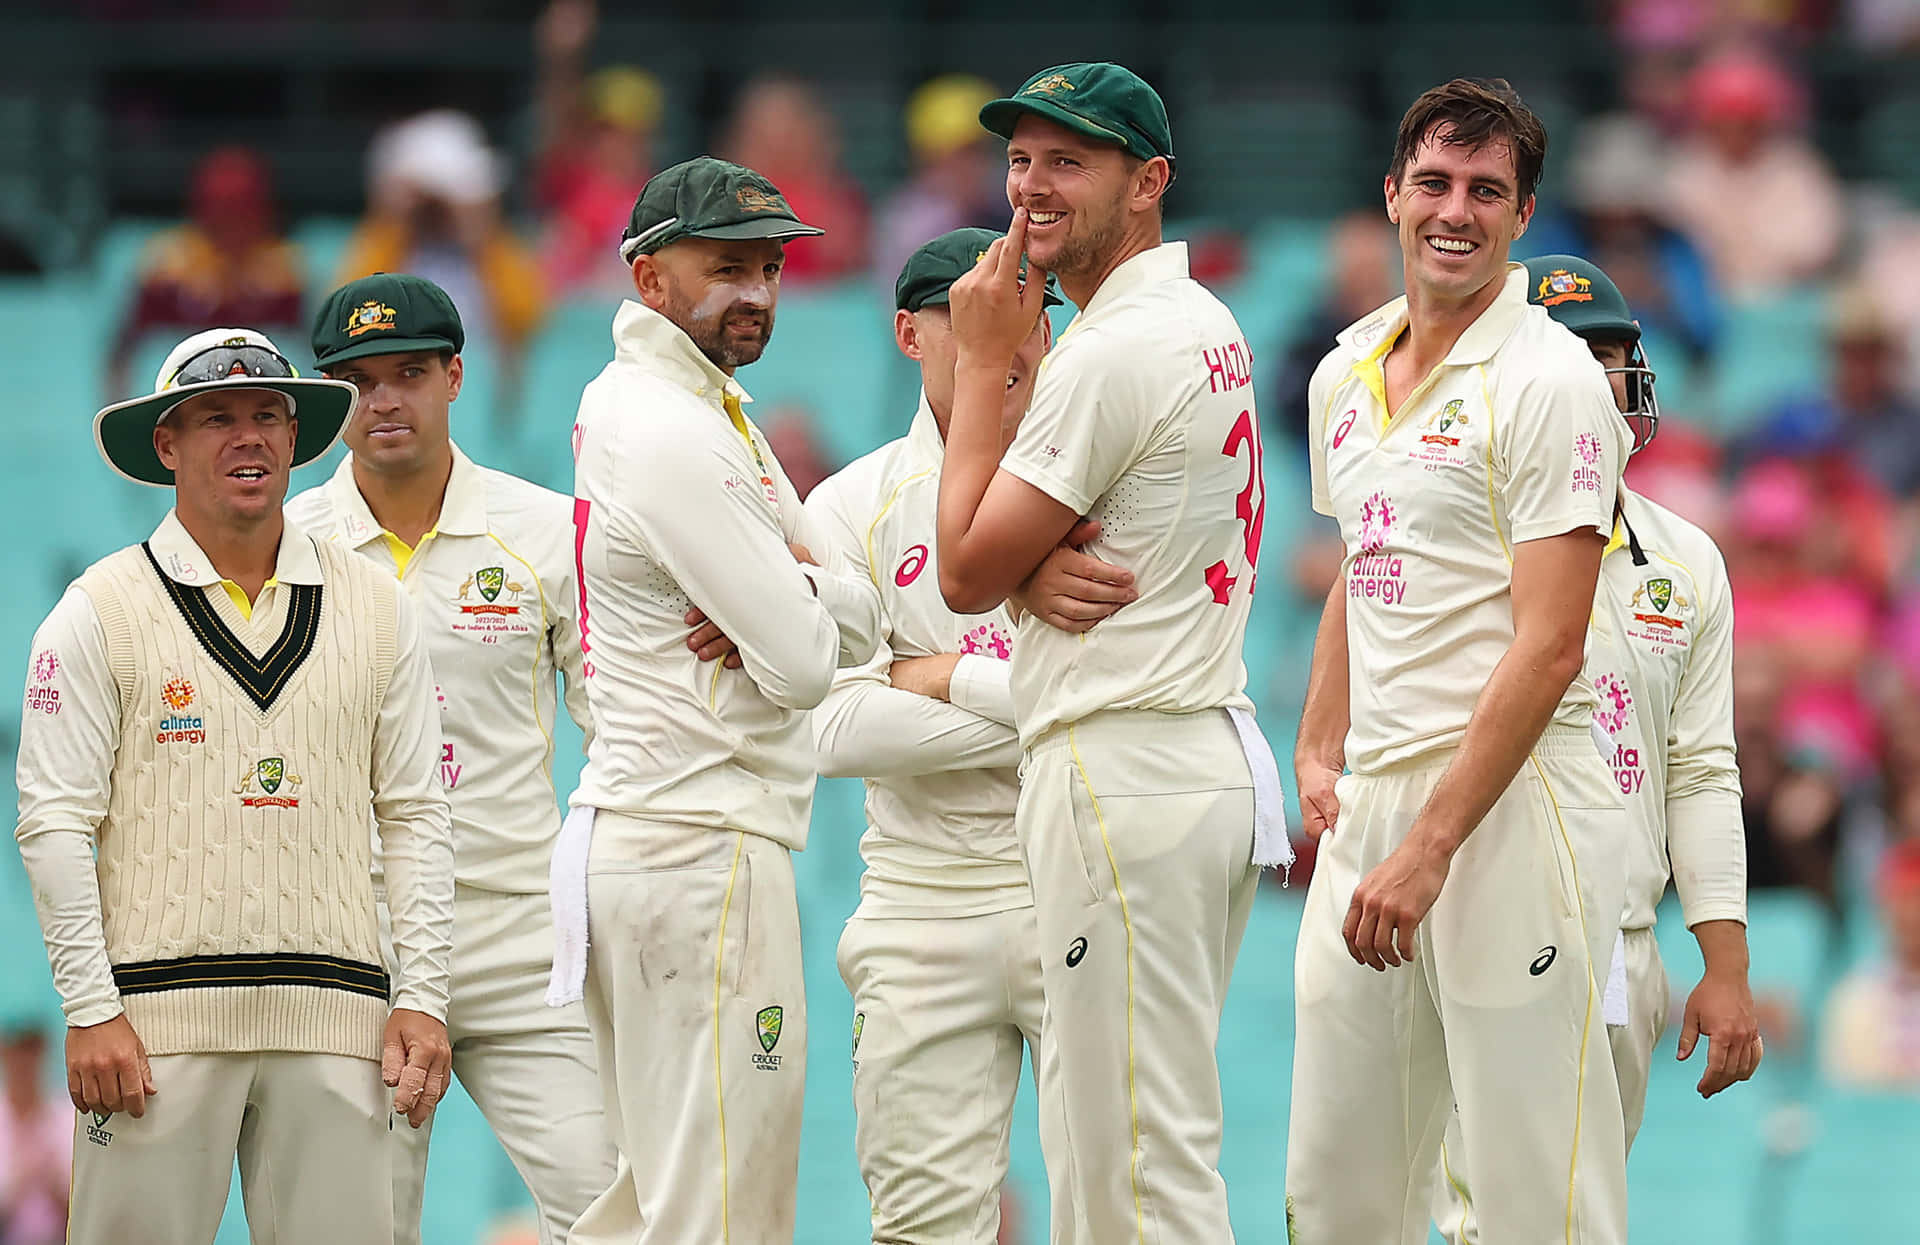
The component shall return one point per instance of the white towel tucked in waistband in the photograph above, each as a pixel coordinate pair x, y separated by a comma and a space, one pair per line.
1271, 847
1613, 1003
567, 895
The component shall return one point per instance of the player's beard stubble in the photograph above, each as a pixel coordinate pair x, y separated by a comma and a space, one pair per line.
1088, 249
707, 322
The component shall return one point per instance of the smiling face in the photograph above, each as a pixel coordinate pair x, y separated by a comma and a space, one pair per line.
1459, 211
926, 336
721, 293
230, 452
1083, 198
399, 426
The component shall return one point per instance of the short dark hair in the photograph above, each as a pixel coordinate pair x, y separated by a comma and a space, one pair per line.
1471, 113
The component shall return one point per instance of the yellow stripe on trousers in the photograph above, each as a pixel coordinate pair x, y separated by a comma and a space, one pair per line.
1126, 922
1586, 1025
1459, 1191
719, 976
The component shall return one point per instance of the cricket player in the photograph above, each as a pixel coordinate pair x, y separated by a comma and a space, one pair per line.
487, 559
1142, 814
699, 777
213, 717
1465, 900
942, 955
1662, 668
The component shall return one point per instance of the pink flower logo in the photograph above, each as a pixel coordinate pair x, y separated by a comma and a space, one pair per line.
45, 666
1587, 446
1616, 702
987, 640
1376, 521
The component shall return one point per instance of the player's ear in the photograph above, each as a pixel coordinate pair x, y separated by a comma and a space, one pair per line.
456, 374
649, 282
163, 444
1392, 192
1526, 216
906, 334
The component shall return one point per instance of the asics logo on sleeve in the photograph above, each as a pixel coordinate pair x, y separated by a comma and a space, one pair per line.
1543, 961
1076, 952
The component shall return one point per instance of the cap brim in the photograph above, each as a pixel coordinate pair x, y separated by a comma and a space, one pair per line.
1002, 115
385, 345
945, 298
770, 228
124, 431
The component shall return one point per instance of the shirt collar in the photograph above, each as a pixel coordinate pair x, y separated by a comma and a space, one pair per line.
184, 562
1166, 262
923, 435
1369, 335
642, 335
463, 511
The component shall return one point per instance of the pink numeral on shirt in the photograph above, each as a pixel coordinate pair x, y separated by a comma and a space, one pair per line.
1250, 507
581, 508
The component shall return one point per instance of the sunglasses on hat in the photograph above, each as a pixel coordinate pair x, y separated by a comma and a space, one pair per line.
224, 361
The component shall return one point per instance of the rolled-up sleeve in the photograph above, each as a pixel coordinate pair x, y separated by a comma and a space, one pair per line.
415, 825
69, 733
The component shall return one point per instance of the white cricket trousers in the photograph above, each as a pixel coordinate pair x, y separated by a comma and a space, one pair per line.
1137, 829
1632, 1046
1498, 1014
942, 1009
310, 1131
699, 1015
530, 1068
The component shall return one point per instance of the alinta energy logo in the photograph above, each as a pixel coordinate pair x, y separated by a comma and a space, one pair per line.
1375, 573
42, 696
1613, 714
178, 727
987, 640
1586, 473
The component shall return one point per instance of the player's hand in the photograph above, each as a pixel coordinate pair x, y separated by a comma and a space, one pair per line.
925, 676
802, 554
107, 1068
1319, 806
1721, 1010
993, 308
708, 642
1390, 903
1073, 591
415, 1060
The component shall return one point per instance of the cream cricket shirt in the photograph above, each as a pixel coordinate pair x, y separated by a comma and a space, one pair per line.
70, 734
1143, 418
494, 590
941, 777
1662, 667
1514, 437
679, 502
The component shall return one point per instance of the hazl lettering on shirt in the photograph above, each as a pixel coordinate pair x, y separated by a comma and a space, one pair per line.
1229, 367
489, 605
42, 694
987, 640
449, 769
178, 727
1374, 573
1612, 715
1654, 614
1586, 459
1440, 438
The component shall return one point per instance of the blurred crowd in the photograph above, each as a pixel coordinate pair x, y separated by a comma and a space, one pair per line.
1703, 194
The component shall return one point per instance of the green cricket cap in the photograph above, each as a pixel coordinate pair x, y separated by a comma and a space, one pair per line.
1581, 297
931, 271
708, 198
386, 313
1103, 101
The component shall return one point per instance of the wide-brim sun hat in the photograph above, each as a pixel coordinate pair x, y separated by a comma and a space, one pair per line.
220, 359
